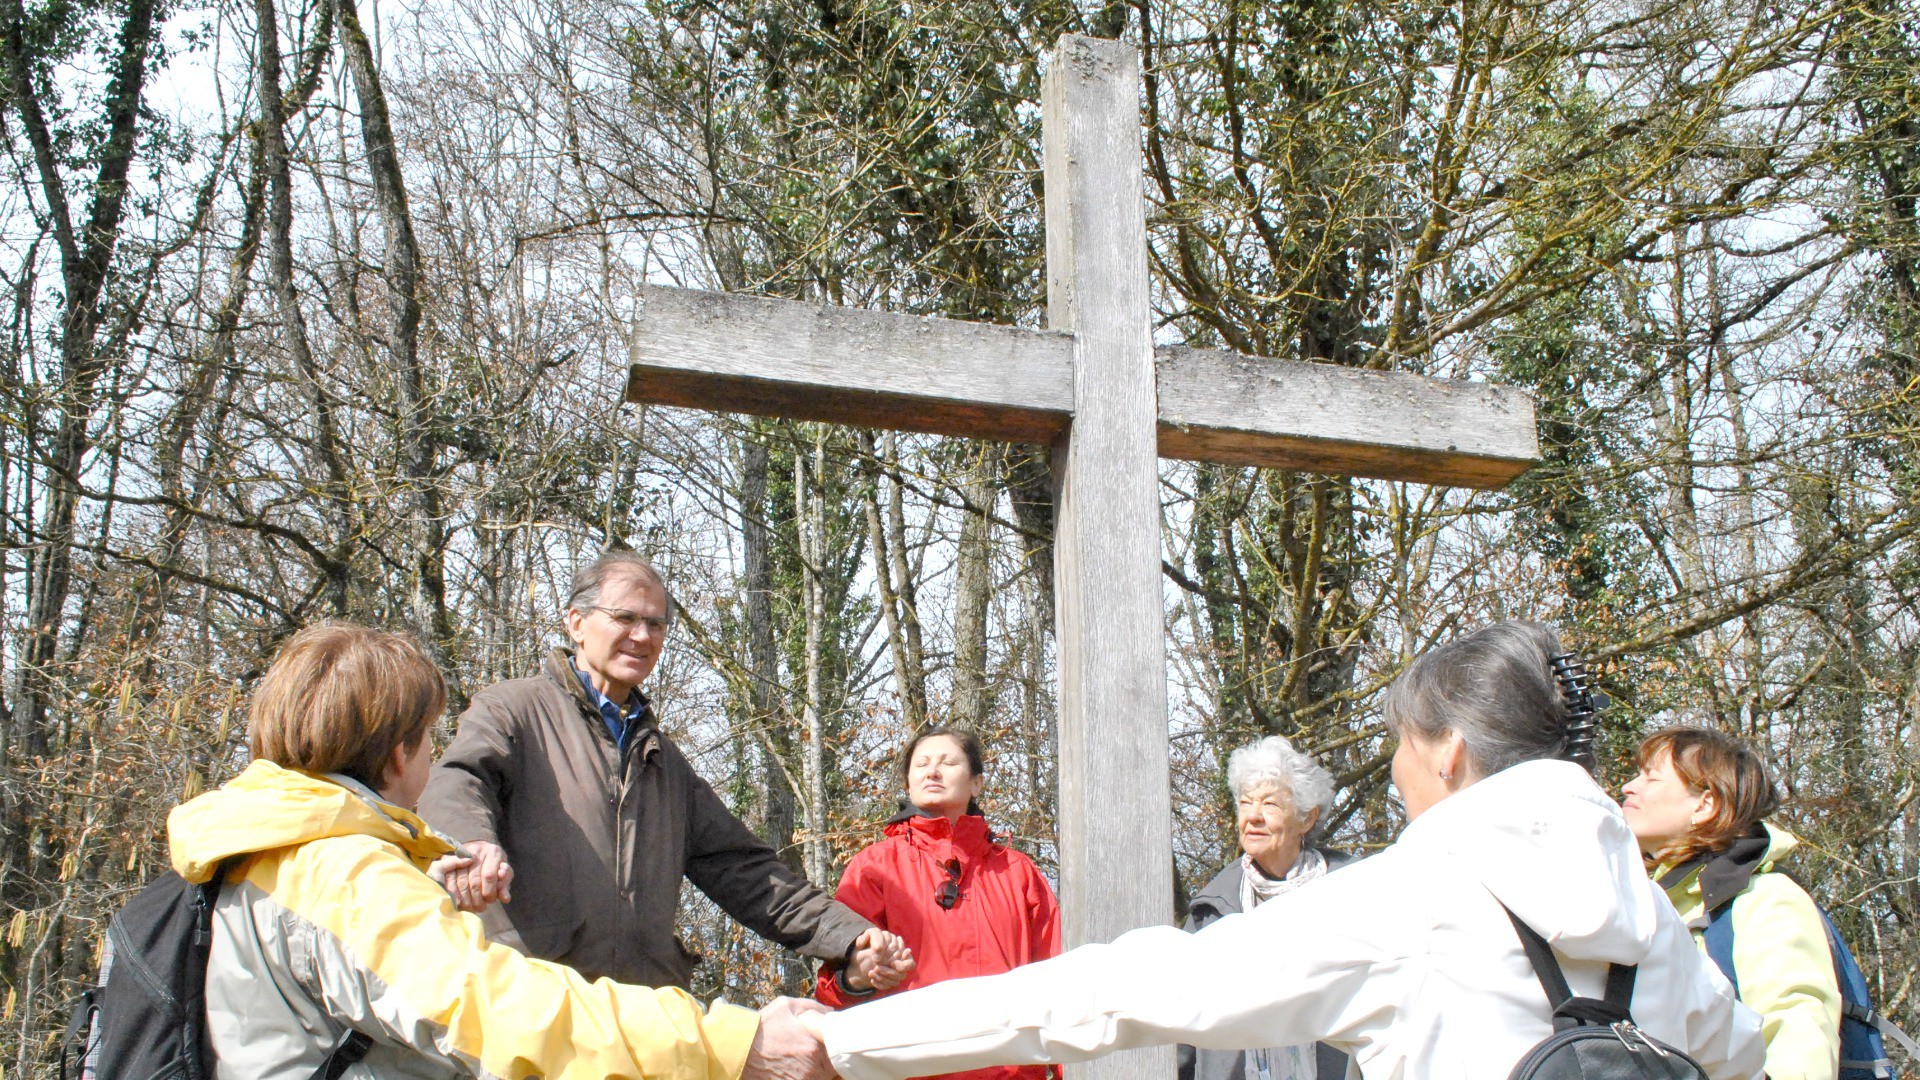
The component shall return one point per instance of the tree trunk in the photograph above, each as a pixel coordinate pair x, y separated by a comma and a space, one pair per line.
215, 360
972, 592
763, 663
86, 259
1029, 483
332, 564
419, 444
763, 695
29, 853
904, 574
810, 518
908, 676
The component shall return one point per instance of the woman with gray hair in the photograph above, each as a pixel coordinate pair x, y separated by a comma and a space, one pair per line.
1280, 798
1411, 961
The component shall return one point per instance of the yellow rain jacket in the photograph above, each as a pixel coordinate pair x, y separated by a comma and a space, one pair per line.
328, 921
1779, 949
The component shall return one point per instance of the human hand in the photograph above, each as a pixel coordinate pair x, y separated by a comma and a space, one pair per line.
475, 877
787, 1045
880, 961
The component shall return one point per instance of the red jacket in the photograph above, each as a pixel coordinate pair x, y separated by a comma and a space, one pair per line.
1005, 916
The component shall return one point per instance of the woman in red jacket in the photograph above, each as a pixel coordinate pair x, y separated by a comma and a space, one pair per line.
965, 902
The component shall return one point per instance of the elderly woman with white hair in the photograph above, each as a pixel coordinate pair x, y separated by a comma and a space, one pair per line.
1281, 797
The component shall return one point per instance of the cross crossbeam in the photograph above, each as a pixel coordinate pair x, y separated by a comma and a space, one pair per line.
749, 354
767, 357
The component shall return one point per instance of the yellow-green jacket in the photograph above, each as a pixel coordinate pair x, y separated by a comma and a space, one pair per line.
1779, 950
328, 921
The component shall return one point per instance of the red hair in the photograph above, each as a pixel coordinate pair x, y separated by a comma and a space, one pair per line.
1713, 761
342, 698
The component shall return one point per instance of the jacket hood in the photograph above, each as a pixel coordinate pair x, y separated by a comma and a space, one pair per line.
1722, 875
968, 838
268, 807
1551, 846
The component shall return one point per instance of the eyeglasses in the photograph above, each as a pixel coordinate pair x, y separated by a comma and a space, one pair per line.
948, 894
629, 621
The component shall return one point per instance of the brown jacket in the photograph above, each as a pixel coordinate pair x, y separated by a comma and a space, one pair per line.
599, 840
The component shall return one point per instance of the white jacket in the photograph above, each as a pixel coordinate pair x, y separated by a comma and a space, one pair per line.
1405, 960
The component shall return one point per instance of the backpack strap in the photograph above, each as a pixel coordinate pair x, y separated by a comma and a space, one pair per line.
78, 1040
1620, 979
1570, 1011
200, 1062
205, 895
1885, 1027
1718, 936
1861, 1024
347, 1051
1717, 931
1540, 955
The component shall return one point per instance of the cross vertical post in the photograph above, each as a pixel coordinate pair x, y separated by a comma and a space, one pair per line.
1115, 810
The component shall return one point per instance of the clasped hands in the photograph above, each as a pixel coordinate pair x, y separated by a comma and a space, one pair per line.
478, 875
879, 961
475, 876
790, 1045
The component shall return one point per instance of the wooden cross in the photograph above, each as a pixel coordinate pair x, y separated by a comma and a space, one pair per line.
1093, 386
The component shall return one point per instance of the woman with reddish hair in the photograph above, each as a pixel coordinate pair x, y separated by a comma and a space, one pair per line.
1698, 807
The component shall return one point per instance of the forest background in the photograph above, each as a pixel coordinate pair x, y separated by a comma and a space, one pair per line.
330, 322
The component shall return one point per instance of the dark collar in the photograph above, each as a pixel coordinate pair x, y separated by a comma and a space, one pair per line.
971, 835
1725, 874
1222, 894
908, 811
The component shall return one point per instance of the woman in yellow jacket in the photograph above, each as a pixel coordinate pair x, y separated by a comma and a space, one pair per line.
329, 925
1698, 807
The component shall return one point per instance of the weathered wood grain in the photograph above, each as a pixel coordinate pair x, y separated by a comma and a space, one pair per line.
876, 369
1115, 813
1220, 406
732, 353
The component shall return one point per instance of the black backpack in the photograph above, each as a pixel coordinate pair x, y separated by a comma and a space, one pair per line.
147, 1020
1594, 1038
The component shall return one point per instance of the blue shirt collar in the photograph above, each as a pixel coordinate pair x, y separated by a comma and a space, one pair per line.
621, 724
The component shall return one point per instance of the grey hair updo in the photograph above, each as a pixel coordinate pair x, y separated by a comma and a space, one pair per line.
1495, 688
1273, 760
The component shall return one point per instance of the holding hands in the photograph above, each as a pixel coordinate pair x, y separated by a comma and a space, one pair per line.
475, 876
788, 1046
879, 961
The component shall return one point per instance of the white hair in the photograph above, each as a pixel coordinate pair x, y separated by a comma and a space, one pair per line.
1273, 760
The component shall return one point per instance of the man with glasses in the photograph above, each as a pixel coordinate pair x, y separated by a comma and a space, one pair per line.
580, 817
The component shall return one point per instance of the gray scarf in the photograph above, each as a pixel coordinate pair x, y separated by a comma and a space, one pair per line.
1257, 888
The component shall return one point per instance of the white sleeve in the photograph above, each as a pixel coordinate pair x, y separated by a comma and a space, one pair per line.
1303, 967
